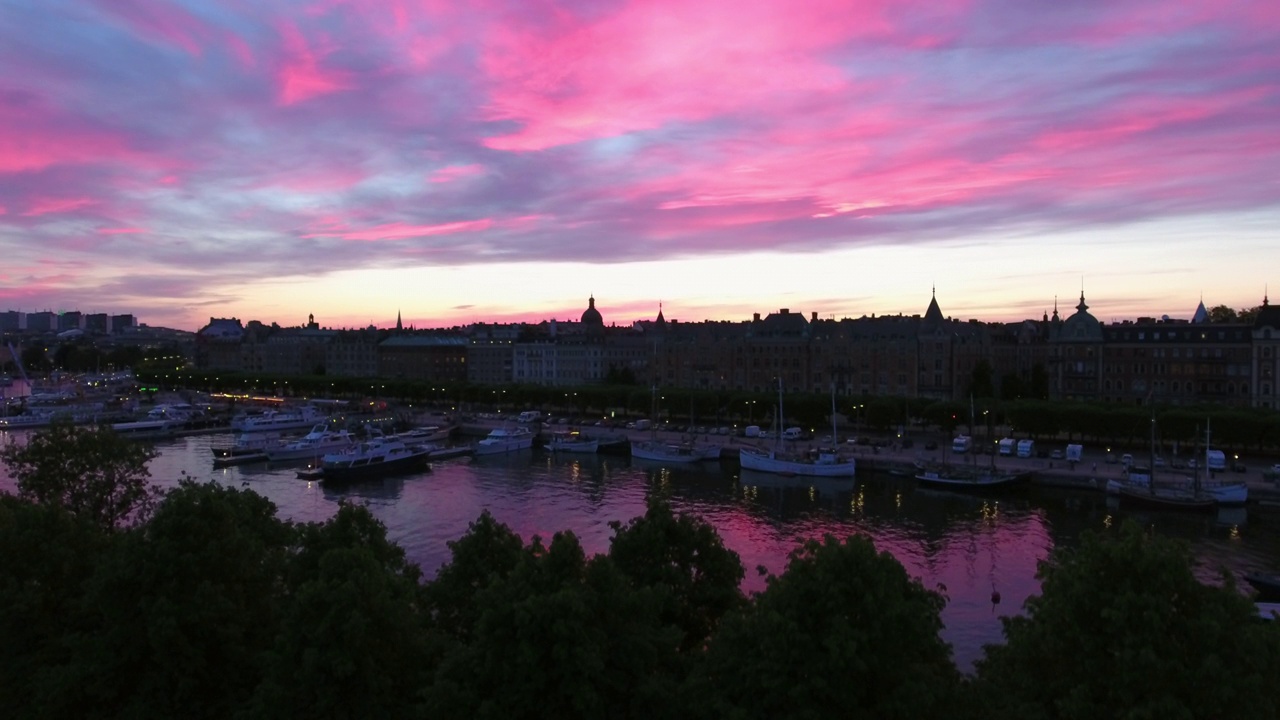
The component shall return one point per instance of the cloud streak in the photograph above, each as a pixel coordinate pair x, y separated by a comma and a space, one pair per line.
235, 139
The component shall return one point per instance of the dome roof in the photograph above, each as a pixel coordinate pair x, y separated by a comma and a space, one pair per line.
1081, 327
591, 316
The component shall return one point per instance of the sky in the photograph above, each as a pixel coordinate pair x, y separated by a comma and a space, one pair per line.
493, 160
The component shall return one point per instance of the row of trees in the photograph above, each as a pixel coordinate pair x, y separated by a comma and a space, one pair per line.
206, 604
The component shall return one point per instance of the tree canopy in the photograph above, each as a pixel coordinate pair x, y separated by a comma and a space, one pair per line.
212, 606
90, 471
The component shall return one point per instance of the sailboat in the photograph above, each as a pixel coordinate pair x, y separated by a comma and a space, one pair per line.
1163, 498
672, 452
822, 462
968, 476
1225, 493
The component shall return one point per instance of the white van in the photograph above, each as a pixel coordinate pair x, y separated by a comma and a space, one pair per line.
1008, 446
751, 431
791, 433
961, 444
1026, 448
1075, 453
529, 416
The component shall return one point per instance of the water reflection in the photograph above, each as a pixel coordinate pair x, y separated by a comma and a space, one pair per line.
971, 546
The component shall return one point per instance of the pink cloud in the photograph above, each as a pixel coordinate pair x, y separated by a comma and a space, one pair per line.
47, 206
121, 231
649, 64
308, 179
403, 231
300, 75
456, 172
169, 23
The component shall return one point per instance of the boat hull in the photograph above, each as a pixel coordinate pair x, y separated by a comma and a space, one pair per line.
771, 463
499, 447
578, 446
1267, 586
1166, 499
672, 453
975, 482
337, 475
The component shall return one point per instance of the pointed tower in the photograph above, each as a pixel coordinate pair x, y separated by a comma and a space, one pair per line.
399, 325
1201, 315
933, 316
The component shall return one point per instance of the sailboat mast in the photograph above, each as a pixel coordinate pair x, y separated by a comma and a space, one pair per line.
1151, 454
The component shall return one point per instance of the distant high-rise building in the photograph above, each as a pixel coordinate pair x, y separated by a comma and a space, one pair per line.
43, 321
12, 320
70, 320
121, 323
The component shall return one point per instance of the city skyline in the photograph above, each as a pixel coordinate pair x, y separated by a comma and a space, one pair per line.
502, 162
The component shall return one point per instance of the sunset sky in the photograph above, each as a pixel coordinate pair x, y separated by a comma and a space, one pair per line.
503, 160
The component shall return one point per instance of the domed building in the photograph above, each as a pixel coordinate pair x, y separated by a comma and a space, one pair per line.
1076, 355
592, 322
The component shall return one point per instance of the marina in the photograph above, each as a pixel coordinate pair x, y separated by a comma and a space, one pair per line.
965, 542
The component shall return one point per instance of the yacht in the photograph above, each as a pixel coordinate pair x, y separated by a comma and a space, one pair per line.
247, 447
304, 417
372, 459
319, 442
505, 440
572, 442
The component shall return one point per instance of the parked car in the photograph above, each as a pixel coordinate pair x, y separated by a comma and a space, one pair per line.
1055, 455
931, 445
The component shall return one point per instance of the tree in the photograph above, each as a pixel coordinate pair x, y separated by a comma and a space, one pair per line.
91, 472
560, 636
352, 640
176, 618
980, 382
48, 554
1222, 314
1123, 629
685, 559
843, 632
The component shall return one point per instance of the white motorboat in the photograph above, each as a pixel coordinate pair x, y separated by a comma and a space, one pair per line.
144, 429
277, 420
572, 442
319, 442
426, 433
505, 440
372, 459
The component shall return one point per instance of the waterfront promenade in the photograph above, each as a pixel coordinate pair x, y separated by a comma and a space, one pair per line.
1091, 474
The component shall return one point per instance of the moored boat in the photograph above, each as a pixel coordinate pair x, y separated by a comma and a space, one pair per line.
821, 462
961, 477
572, 441
278, 420
817, 462
246, 448
1266, 585
372, 459
674, 452
504, 440
319, 442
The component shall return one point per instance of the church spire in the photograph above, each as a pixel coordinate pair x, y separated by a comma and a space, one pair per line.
934, 313
399, 325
